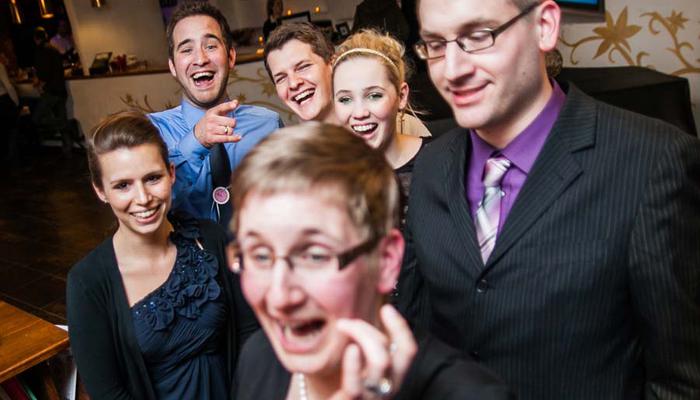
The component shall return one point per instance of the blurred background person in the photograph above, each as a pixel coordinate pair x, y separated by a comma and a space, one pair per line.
9, 102
63, 39
383, 15
275, 8
50, 112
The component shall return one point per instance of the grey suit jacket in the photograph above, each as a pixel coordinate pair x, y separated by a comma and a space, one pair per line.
593, 288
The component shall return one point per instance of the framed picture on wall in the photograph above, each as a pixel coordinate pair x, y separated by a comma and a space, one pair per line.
343, 29
303, 16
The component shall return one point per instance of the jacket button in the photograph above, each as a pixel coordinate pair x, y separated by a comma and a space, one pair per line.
482, 286
475, 355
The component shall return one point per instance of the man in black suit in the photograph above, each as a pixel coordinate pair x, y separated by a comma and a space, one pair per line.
554, 237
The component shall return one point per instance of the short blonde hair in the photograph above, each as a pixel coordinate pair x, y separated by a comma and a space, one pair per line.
391, 49
326, 161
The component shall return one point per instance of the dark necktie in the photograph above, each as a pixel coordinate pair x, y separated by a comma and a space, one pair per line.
221, 179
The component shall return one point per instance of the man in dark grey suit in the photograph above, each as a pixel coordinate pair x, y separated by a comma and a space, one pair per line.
554, 237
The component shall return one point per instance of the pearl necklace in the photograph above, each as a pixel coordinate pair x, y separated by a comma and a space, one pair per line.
303, 392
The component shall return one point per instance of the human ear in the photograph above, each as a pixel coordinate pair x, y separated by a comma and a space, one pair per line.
172, 68
171, 172
231, 57
100, 193
403, 95
548, 23
391, 250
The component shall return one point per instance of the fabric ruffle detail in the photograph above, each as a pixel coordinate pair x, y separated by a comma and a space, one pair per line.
191, 284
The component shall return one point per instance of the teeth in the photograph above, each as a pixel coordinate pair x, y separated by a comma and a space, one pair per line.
199, 75
299, 330
364, 128
303, 95
145, 214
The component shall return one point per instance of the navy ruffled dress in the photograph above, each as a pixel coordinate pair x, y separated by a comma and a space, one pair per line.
178, 326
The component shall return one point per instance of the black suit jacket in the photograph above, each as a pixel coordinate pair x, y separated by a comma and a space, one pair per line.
438, 372
593, 288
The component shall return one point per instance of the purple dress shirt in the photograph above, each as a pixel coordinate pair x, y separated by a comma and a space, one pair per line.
522, 152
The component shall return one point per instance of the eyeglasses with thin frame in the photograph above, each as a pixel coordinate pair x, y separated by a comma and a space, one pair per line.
471, 42
306, 261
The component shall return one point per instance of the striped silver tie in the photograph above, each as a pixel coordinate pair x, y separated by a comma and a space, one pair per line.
489, 210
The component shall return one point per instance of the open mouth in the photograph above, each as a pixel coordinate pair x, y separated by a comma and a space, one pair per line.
304, 96
301, 336
364, 129
202, 78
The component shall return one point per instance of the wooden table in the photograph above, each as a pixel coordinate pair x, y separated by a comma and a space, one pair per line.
26, 340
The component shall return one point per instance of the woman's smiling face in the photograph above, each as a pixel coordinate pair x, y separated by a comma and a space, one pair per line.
366, 102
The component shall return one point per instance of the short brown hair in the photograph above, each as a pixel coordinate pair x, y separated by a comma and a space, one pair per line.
124, 129
323, 160
521, 4
303, 32
193, 8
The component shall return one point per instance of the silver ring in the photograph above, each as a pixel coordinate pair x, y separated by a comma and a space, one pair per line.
393, 348
227, 129
381, 388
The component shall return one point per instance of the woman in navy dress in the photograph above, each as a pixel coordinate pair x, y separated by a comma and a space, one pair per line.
153, 312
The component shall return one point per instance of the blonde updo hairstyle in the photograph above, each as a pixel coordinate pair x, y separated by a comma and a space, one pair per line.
391, 54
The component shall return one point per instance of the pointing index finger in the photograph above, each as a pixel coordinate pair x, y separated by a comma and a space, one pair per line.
224, 108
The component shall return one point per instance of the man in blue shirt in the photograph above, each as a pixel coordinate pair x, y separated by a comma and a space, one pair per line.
200, 58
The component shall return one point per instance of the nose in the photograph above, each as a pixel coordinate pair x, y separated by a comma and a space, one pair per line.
142, 194
295, 81
283, 293
360, 110
201, 56
457, 63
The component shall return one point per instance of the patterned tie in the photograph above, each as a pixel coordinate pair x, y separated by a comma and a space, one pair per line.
489, 210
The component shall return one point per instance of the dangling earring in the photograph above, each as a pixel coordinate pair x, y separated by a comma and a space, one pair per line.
403, 118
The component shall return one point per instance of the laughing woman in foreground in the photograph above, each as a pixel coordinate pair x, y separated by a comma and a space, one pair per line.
153, 313
318, 251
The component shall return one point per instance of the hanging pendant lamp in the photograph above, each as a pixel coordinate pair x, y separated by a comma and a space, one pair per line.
15, 13
45, 9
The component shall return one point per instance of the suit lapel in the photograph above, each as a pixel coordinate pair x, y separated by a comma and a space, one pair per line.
454, 184
554, 170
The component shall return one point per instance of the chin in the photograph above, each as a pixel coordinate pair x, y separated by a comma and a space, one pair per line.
322, 362
310, 112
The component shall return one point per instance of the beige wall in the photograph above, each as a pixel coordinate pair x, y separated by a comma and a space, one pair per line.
122, 26
663, 35
252, 13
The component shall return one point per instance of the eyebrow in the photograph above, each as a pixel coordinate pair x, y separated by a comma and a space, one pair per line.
478, 23
182, 43
303, 234
147, 174
206, 36
364, 90
282, 73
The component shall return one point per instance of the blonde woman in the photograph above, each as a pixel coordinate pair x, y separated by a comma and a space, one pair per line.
370, 91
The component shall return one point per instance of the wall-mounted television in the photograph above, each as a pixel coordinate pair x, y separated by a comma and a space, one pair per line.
583, 6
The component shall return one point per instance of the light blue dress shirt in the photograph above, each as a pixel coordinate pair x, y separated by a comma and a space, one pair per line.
192, 191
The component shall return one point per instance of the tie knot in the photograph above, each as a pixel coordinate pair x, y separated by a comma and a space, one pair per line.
494, 170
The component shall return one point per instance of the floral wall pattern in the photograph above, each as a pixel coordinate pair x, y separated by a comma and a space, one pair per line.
664, 36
